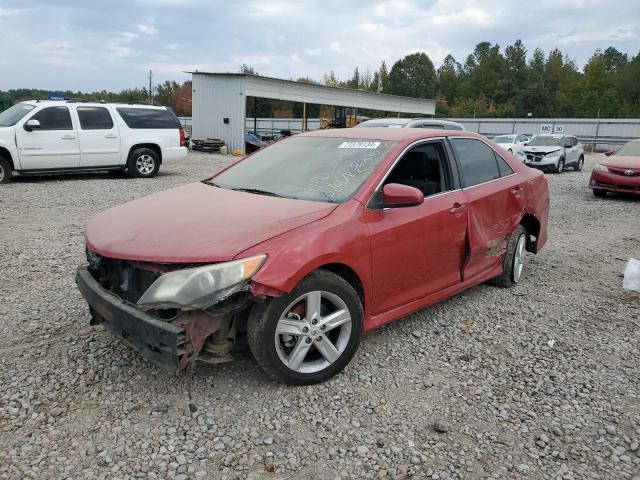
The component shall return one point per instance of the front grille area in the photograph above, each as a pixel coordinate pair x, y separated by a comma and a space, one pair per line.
622, 171
532, 157
126, 279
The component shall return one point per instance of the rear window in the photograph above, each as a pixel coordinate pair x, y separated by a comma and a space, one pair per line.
148, 117
94, 118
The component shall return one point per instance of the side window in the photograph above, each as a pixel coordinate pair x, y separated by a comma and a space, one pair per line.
54, 118
503, 166
424, 167
432, 126
148, 117
522, 138
574, 141
476, 160
95, 118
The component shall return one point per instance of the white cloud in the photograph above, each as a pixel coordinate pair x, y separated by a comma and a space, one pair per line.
9, 12
295, 57
172, 46
147, 29
128, 37
56, 52
313, 51
335, 46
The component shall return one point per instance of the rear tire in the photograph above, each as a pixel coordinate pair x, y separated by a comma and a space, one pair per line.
143, 163
580, 164
6, 172
294, 345
513, 260
599, 193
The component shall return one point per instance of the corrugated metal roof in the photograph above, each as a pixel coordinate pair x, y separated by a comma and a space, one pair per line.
276, 88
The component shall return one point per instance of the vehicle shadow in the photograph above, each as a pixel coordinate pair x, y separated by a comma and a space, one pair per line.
44, 178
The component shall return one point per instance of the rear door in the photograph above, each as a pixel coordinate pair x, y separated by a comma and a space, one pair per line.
52, 146
99, 137
494, 200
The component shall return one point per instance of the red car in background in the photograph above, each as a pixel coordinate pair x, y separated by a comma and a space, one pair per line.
301, 247
619, 173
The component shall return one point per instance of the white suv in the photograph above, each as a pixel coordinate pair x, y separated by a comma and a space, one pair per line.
62, 136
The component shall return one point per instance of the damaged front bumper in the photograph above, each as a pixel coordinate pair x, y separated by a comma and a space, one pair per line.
171, 344
156, 340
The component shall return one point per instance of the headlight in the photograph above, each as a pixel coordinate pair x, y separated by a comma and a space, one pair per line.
199, 287
553, 154
598, 167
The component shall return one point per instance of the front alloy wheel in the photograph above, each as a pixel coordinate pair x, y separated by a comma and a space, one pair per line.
310, 334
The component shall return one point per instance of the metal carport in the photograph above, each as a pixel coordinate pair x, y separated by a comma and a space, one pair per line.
219, 102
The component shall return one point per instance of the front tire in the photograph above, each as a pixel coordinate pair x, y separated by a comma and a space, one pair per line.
513, 259
6, 172
599, 193
310, 334
143, 163
560, 166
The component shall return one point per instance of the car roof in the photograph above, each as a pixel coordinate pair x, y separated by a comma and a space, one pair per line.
394, 134
57, 103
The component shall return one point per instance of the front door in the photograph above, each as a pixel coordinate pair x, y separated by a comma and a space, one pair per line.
418, 250
54, 145
99, 137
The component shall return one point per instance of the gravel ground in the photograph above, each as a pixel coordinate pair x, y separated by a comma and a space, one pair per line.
539, 381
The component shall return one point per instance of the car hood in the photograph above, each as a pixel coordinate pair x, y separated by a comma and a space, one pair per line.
542, 149
621, 161
196, 223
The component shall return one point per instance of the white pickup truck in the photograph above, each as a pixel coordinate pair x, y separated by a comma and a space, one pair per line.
39, 137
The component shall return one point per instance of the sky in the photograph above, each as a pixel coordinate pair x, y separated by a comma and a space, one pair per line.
112, 44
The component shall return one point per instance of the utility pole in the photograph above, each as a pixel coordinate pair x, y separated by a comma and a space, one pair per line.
150, 91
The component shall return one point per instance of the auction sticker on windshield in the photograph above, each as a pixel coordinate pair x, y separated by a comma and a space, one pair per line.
368, 145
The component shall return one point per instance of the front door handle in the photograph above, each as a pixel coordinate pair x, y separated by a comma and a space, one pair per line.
457, 208
110, 135
68, 137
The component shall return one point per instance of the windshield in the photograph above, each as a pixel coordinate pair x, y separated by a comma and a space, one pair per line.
504, 139
12, 115
631, 149
309, 168
545, 142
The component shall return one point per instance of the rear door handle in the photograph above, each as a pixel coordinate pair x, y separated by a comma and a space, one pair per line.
457, 208
517, 191
68, 137
110, 135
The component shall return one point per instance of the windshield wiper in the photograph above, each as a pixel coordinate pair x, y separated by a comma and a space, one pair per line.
256, 191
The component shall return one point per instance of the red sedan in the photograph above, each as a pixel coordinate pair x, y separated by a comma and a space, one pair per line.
301, 247
618, 173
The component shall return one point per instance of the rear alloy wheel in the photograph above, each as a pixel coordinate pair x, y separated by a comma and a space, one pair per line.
560, 166
580, 164
513, 259
143, 163
310, 334
6, 171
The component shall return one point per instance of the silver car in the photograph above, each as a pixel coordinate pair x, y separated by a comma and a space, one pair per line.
432, 123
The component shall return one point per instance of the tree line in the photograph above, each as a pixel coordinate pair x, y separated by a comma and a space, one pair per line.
491, 82
169, 93
506, 83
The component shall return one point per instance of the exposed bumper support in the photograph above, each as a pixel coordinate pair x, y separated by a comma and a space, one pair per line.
156, 340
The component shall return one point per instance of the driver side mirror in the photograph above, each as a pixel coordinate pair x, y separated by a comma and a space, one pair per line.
608, 153
32, 124
397, 195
